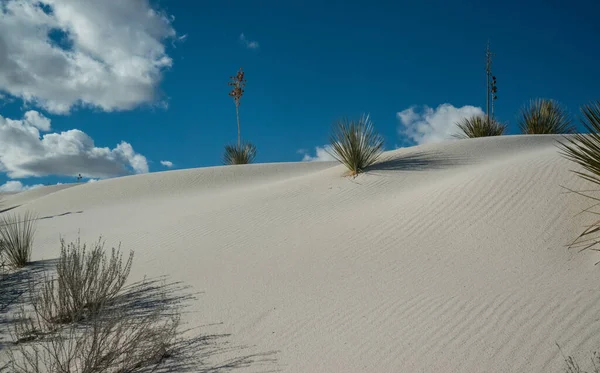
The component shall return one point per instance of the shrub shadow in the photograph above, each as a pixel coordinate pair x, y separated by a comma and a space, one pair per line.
194, 350
420, 161
14, 284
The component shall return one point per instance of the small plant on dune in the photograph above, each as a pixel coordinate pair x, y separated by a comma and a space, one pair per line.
113, 337
16, 238
355, 144
584, 149
86, 281
239, 153
479, 126
243, 154
115, 342
544, 116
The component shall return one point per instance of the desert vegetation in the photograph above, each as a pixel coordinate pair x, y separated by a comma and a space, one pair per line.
355, 144
584, 149
544, 116
77, 315
479, 126
239, 153
16, 239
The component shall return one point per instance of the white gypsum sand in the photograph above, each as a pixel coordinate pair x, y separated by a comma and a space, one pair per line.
448, 257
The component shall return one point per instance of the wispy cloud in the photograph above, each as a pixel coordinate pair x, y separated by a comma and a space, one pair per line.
321, 154
424, 124
250, 44
167, 163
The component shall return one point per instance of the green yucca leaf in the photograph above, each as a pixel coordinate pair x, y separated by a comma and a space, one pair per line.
355, 144
544, 116
479, 126
584, 149
239, 154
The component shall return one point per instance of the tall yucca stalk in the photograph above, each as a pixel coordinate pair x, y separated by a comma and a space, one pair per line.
355, 144
16, 238
544, 116
479, 126
237, 82
239, 154
584, 149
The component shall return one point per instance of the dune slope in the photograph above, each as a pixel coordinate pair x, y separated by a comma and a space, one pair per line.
446, 257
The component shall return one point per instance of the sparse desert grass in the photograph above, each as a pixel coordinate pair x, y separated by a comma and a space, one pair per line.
355, 144
239, 154
73, 323
16, 238
479, 126
544, 116
87, 280
114, 342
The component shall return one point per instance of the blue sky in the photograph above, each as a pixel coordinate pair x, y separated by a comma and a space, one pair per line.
152, 76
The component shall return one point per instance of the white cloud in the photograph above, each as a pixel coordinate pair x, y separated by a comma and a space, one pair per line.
321, 154
250, 44
24, 152
17, 186
167, 163
108, 54
433, 125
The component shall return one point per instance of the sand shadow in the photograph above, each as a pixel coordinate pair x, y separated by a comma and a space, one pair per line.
14, 293
195, 351
63, 214
14, 284
159, 300
420, 161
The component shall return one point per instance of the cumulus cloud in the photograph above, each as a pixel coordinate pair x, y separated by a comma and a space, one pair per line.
17, 186
167, 163
25, 152
321, 154
424, 125
250, 44
107, 54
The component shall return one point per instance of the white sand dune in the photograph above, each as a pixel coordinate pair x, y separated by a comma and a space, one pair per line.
447, 257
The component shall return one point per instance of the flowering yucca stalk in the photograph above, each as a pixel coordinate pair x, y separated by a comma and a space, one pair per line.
544, 116
479, 126
355, 144
238, 82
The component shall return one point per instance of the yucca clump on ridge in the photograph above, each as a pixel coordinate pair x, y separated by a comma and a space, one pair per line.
355, 144
479, 126
544, 116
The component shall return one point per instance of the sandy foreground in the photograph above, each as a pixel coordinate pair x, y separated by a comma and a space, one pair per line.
446, 257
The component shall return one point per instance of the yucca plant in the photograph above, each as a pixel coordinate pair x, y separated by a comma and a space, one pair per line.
355, 144
16, 238
544, 116
584, 149
239, 154
479, 126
